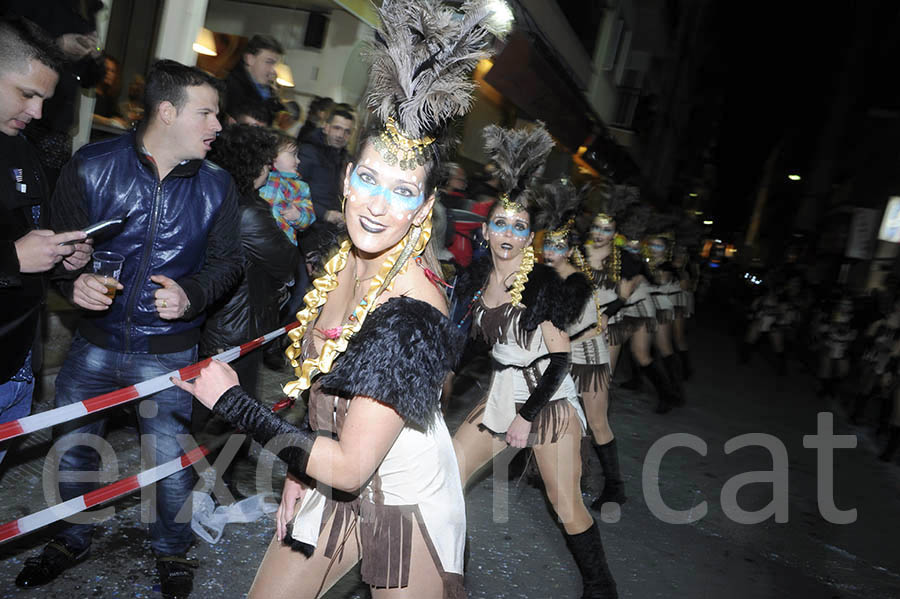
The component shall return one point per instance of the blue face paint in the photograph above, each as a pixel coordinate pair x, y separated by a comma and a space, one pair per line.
603, 230
517, 229
632, 249
555, 249
397, 201
658, 247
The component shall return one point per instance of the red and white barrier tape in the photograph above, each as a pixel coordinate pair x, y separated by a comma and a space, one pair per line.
54, 513
46, 419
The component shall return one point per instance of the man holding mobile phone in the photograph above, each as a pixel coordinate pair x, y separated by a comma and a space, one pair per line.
29, 67
182, 253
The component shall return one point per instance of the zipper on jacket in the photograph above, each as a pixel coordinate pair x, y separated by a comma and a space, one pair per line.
144, 265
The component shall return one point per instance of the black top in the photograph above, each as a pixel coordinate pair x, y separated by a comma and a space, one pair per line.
21, 295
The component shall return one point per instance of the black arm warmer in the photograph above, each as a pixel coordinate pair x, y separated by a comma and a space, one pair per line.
241, 410
551, 379
614, 306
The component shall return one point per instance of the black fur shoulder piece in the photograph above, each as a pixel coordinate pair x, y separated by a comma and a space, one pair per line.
542, 297
399, 357
575, 293
471, 279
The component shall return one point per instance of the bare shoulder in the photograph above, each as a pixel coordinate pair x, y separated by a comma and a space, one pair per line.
414, 284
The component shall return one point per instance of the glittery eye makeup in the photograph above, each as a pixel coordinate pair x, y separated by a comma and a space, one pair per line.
555, 249
396, 199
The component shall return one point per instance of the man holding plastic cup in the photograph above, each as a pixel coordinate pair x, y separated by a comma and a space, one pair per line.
180, 244
29, 67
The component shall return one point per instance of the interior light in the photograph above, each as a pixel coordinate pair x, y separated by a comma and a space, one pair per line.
205, 43
283, 75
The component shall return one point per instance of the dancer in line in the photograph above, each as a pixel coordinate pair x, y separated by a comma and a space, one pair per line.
374, 470
517, 307
664, 284
587, 333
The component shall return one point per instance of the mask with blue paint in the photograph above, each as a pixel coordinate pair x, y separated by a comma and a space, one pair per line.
505, 222
399, 200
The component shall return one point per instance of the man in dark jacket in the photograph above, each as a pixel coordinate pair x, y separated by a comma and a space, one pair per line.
29, 66
252, 81
181, 247
323, 157
270, 260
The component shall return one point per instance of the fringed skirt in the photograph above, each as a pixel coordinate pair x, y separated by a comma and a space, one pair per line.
384, 538
590, 364
684, 303
549, 426
619, 332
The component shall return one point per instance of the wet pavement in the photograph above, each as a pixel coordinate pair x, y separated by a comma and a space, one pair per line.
516, 549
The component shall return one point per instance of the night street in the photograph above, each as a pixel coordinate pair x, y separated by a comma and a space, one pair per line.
525, 556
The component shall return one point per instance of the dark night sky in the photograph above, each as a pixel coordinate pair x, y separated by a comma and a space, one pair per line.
777, 63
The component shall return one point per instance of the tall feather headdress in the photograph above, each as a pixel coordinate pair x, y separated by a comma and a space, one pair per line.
557, 207
636, 222
618, 201
520, 156
420, 76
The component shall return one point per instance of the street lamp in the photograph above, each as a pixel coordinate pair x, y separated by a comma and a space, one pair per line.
794, 177
707, 222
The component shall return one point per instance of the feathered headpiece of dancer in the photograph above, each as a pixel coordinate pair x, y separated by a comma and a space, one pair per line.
519, 155
420, 76
557, 207
635, 225
619, 200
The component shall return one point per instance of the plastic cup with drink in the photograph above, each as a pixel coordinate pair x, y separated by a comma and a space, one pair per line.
109, 266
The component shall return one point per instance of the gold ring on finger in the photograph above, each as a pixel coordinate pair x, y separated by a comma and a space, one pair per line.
165, 305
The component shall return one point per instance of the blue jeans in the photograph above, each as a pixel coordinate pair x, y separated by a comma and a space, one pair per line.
15, 402
90, 370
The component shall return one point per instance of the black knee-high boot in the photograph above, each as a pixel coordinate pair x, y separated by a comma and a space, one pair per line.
613, 486
656, 374
686, 366
673, 369
596, 579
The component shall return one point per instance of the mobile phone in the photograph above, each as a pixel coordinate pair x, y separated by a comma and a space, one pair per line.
101, 229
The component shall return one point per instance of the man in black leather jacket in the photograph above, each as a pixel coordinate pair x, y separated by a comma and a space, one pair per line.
29, 63
181, 247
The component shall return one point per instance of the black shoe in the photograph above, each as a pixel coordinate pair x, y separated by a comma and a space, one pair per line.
53, 561
176, 576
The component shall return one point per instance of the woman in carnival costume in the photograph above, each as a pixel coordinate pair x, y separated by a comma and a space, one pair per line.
591, 370
372, 473
687, 235
664, 285
518, 308
640, 313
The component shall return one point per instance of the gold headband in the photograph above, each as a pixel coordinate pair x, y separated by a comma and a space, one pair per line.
396, 148
604, 218
561, 234
511, 205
